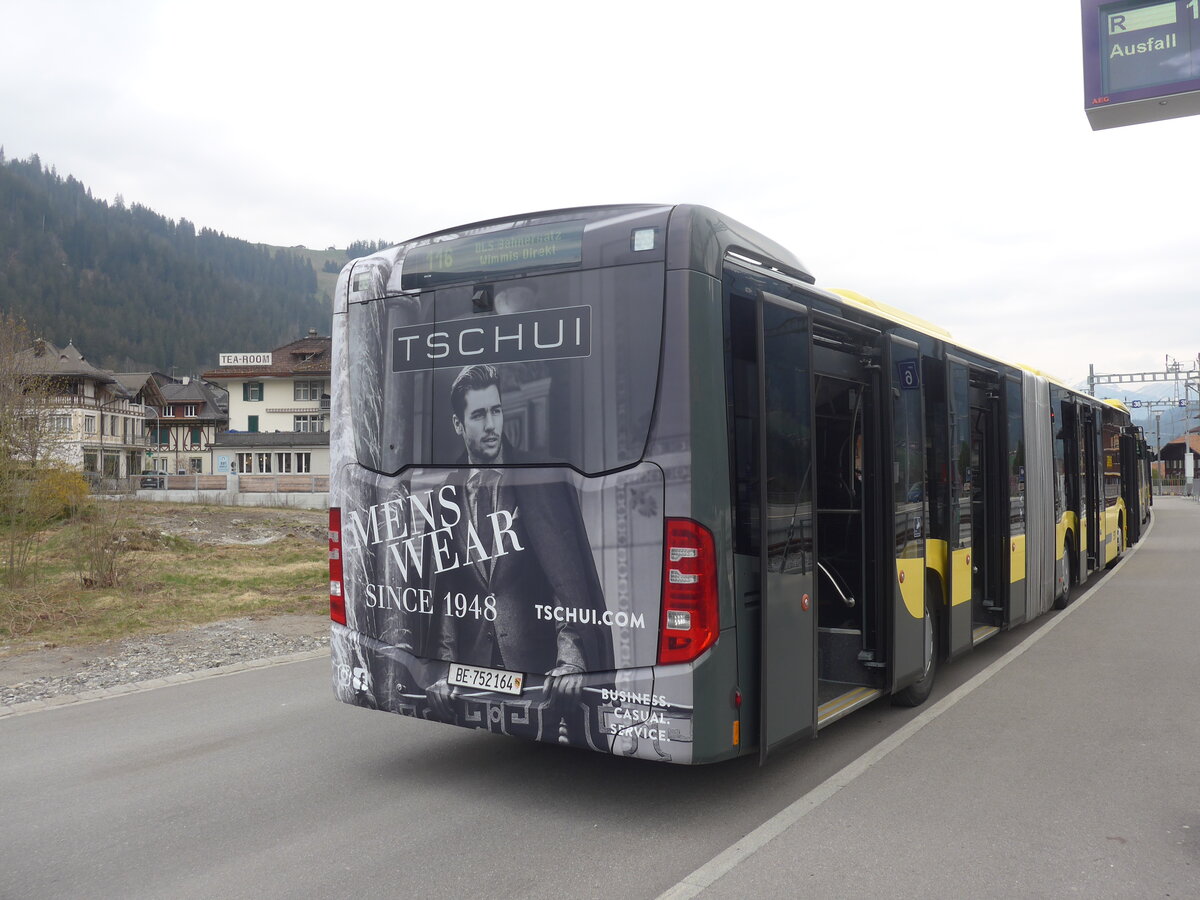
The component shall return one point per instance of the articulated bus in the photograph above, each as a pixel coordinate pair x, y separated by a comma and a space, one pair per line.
623, 478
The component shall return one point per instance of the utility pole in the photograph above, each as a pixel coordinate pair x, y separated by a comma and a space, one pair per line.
1158, 465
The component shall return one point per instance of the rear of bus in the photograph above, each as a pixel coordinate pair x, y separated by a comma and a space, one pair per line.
514, 540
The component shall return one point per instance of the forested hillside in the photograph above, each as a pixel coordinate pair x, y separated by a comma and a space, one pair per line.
135, 290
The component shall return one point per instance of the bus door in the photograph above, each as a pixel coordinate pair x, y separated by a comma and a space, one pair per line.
961, 536
913, 643
786, 552
1130, 486
1072, 482
989, 503
852, 476
1017, 583
1093, 498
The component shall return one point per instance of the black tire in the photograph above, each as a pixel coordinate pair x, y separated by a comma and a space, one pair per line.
918, 692
1063, 600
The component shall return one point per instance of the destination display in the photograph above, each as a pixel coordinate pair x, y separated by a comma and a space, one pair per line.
1149, 45
1140, 63
492, 254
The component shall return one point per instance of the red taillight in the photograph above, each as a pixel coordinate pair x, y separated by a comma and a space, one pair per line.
689, 623
337, 596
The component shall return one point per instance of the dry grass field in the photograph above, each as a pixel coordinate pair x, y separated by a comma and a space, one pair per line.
171, 566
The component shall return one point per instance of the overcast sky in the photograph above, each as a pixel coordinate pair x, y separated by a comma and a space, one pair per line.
934, 155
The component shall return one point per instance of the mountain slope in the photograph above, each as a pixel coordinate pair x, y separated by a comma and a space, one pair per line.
135, 290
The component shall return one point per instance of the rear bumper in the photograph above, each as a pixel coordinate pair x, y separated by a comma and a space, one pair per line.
644, 713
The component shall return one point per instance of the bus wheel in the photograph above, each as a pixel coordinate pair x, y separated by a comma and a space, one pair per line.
1064, 599
918, 692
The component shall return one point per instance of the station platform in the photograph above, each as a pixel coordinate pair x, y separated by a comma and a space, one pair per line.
1068, 767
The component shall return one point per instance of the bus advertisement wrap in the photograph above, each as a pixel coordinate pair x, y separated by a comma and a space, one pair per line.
498, 547
498, 570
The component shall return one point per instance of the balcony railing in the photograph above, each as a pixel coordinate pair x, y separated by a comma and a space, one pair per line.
113, 407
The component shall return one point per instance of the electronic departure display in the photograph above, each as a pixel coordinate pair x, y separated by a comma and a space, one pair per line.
1140, 60
493, 254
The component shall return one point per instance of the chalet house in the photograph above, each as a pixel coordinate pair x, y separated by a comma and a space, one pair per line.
1177, 453
97, 423
144, 388
278, 410
192, 416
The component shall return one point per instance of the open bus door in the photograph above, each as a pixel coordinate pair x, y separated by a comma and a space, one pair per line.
787, 560
1094, 497
1015, 505
958, 609
913, 640
1131, 470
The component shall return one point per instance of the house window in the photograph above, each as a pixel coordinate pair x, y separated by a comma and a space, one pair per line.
89, 427
245, 463
252, 391
308, 390
306, 423
90, 460
60, 423
264, 463
187, 410
195, 435
195, 465
304, 463
283, 463
252, 423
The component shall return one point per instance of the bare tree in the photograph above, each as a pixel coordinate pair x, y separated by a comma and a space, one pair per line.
36, 486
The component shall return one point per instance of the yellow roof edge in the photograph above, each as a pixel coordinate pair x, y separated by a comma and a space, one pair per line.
1049, 376
898, 315
892, 312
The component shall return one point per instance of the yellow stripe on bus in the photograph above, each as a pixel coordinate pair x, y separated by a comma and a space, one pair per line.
1016, 565
937, 554
847, 700
960, 576
911, 575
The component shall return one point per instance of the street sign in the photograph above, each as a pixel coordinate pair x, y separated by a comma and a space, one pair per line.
1139, 61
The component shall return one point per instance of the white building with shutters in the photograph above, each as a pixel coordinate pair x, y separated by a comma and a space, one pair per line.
278, 410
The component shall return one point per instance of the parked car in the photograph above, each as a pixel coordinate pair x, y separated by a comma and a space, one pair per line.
152, 480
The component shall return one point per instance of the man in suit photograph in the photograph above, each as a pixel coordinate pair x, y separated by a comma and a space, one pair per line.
522, 544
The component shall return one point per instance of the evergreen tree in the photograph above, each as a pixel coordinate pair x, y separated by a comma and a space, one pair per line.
126, 283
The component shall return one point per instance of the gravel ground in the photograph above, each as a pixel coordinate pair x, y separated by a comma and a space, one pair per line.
54, 672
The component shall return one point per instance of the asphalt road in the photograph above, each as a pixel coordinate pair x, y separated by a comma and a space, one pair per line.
1073, 769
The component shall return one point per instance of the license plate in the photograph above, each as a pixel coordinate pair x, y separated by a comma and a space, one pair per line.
485, 679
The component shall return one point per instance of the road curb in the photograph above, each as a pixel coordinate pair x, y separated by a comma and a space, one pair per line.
137, 687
